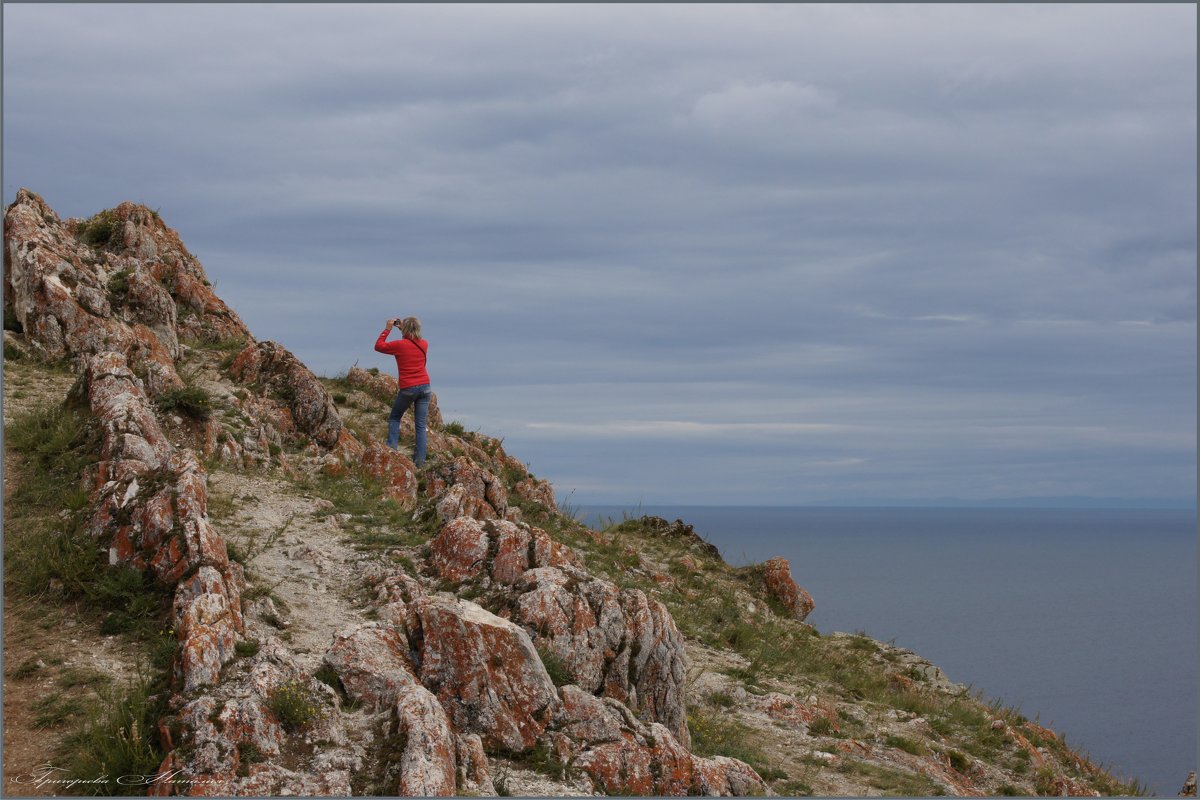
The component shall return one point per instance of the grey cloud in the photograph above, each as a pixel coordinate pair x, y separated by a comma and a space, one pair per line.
963, 234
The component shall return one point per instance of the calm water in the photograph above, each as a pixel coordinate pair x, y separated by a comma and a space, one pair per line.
1085, 618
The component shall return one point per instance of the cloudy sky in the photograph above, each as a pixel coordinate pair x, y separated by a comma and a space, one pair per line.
780, 254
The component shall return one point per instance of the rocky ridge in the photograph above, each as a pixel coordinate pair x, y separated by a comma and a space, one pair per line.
453, 633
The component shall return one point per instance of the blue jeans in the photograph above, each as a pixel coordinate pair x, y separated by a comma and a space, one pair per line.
404, 398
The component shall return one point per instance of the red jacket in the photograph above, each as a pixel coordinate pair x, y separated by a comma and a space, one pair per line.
410, 358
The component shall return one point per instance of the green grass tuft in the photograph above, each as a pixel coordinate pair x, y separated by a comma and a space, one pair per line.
192, 401
118, 739
558, 671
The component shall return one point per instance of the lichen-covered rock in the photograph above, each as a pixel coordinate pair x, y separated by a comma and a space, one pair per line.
777, 578
624, 756
273, 368
273, 780
133, 441
537, 491
152, 508
215, 734
207, 620
460, 550
520, 547
428, 762
586, 718
474, 774
372, 661
466, 547
396, 471
721, 776
485, 671
1189, 786
472, 492
620, 644
83, 287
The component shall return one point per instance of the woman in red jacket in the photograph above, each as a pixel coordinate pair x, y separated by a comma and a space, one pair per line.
410, 353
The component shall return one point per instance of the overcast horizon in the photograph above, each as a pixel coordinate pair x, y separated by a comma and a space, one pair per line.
682, 254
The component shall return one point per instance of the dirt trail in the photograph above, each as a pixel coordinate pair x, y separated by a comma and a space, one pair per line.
303, 561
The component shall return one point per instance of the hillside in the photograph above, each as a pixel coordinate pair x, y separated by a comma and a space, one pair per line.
217, 576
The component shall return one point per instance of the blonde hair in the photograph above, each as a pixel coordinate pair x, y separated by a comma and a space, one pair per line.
411, 328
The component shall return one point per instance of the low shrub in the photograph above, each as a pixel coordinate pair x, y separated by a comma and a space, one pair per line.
821, 726
294, 704
98, 230
715, 734
246, 648
192, 401
118, 287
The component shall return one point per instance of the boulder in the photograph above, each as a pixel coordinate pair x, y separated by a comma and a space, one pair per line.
460, 550
397, 472
372, 661
466, 548
624, 756
777, 578
485, 671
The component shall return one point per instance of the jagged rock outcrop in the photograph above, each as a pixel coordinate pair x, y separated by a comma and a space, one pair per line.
621, 644
536, 491
680, 531
150, 510
428, 763
465, 489
623, 755
1189, 786
777, 577
134, 289
373, 663
303, 397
